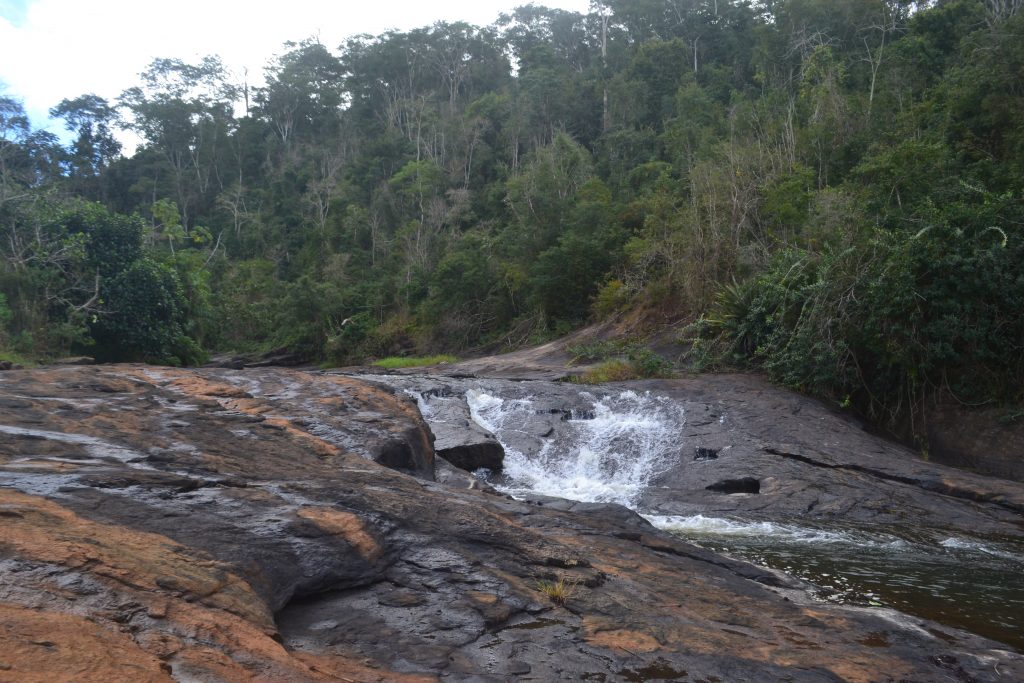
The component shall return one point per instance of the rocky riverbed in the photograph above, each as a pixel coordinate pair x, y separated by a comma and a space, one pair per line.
286, 525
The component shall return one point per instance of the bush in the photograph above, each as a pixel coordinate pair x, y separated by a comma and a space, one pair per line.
346, 341
612, 297
145, 320
887, 323
615, 370
113, 241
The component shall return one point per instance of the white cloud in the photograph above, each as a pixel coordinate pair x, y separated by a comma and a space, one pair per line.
65, 48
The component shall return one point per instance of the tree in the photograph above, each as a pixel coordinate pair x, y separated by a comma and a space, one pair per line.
92, 119
303, 94
184, 111
57, 262
17, 144
144, 317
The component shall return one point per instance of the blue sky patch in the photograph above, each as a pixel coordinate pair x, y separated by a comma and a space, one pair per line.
14, 11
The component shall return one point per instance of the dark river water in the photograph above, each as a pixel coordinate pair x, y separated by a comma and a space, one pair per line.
976, 584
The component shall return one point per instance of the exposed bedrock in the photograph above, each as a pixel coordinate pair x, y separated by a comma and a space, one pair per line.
278, 525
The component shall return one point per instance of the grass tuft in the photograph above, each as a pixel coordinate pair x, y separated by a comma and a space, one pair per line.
558, 591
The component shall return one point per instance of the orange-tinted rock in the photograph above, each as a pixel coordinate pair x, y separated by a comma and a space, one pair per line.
38, 646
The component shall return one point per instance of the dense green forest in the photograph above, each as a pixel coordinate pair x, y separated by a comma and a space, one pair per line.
829, 190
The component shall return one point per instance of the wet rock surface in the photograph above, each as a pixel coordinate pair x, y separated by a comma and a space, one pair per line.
815, 463
280, 525
457, 438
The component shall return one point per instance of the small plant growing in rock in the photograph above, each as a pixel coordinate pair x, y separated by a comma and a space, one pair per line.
558, 591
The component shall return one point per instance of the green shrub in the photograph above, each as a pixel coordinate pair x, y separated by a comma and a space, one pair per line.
649, 364
615, 370
612, 297
889, 322
620, 360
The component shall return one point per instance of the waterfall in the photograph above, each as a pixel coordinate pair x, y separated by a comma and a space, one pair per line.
606, 453
612, 446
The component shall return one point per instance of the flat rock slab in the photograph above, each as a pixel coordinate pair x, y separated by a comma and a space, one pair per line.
277, 525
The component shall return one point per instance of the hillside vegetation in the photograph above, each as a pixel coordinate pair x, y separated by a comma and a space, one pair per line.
830, 190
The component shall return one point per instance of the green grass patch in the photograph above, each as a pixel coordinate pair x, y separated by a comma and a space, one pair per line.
615, 370
620, 360
396, 362
18, 359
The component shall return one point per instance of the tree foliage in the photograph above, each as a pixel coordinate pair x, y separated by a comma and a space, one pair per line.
833, 185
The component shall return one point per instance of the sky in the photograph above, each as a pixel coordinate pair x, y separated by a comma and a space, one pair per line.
56, 49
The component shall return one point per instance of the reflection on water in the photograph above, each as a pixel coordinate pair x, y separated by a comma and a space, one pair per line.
973, 584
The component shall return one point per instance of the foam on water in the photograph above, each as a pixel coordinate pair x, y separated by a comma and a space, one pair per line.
972, 546
697, 526
607, 454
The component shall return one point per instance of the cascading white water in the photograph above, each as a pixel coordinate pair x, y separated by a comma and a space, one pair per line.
607, 455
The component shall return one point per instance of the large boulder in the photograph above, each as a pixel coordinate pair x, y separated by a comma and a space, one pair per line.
457, 437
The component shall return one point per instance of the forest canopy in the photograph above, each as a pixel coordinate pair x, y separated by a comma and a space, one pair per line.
829, 190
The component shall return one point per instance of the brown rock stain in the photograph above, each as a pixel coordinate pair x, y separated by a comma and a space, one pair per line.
604, 633
337, 668
316, 444
42, 465
47, 532
196, 385
48, 647
347, 525
249, 406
